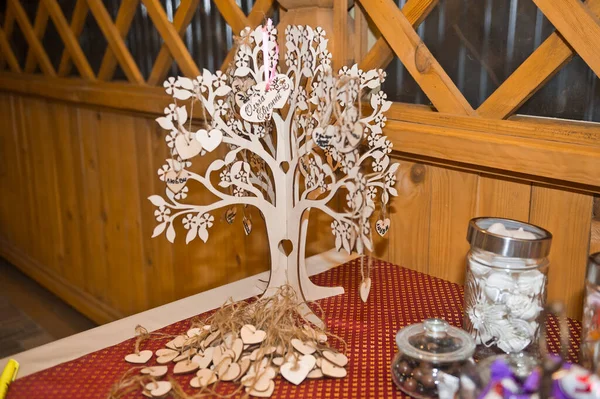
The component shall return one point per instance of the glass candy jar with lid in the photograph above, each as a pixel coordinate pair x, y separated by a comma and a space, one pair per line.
590, 337
428, 353
505, 286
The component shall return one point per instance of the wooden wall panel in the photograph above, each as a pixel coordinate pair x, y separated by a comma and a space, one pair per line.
410, 213
568, 216
158, 262
504, 198
453, 204
74, 214
94, 214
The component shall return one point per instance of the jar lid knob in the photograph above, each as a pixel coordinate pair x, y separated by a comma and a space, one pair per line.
435, 328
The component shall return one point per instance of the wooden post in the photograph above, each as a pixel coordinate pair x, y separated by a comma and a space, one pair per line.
328, 15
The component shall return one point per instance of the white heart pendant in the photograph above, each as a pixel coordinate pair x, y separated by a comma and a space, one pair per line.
187, 148
158, 388
139, 358
297, 371
262, 102
382, 226
323, 137
209, 140
176, 180
365, 289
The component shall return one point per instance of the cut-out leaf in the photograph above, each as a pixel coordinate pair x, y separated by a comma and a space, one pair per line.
171, 233
157, 200
159, 229
165, 123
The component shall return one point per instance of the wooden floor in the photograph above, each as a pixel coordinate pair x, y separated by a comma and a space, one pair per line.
30, 315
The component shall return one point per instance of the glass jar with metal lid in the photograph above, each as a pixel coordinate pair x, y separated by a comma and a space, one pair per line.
505, 285
590, 336
429, 354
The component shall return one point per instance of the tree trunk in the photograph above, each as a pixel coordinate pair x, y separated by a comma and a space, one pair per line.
285, 262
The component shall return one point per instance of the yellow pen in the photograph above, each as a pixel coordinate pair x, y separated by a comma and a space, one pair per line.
8, 375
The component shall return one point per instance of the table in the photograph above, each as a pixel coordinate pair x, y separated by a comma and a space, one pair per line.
399, 297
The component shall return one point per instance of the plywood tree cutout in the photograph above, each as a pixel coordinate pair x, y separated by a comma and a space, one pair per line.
295, 141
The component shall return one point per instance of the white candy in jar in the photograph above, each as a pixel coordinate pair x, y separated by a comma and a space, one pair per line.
505, 292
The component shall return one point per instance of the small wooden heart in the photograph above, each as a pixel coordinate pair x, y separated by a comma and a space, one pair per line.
365, 289
314, 374
237, 347
164, 359
331, 370
244, 367
194, 332
184, 367
262, 394
382, 226
165, 351
176, 180
204, 377
155, 371
230, 215
259, 381
247, 225
306, 348
322, 137
185, 355
177, 342
250, 335
230, 373
139, 358
297, 371
210, 339
339, 359
187, 148
158, 388
204, 359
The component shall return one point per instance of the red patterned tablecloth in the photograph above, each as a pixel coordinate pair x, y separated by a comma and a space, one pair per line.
399, 297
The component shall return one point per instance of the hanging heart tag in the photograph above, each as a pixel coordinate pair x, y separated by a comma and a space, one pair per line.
187, 148
209, 140
247, 225
262, 102
176, 180
323, 137
382, 226
230, 215
365, 289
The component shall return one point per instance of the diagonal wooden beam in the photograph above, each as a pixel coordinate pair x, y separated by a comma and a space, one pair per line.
30, 36
9, 23
9, 55
361, 34
233, 15
531, 75
183, 17
260, 12
77, 23
115, 41
122, 23
69, 39
381, 54
578, 25
171, 38
416, 57
340, 33
39, 26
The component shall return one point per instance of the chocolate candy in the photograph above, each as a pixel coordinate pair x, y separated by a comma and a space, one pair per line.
419, 379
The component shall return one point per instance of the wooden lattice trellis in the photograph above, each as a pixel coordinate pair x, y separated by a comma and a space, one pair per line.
577, 23
578, 31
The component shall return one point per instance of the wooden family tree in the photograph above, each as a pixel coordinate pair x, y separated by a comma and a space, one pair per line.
295, 141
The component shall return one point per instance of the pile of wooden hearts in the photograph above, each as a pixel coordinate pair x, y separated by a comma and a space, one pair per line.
243, 359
